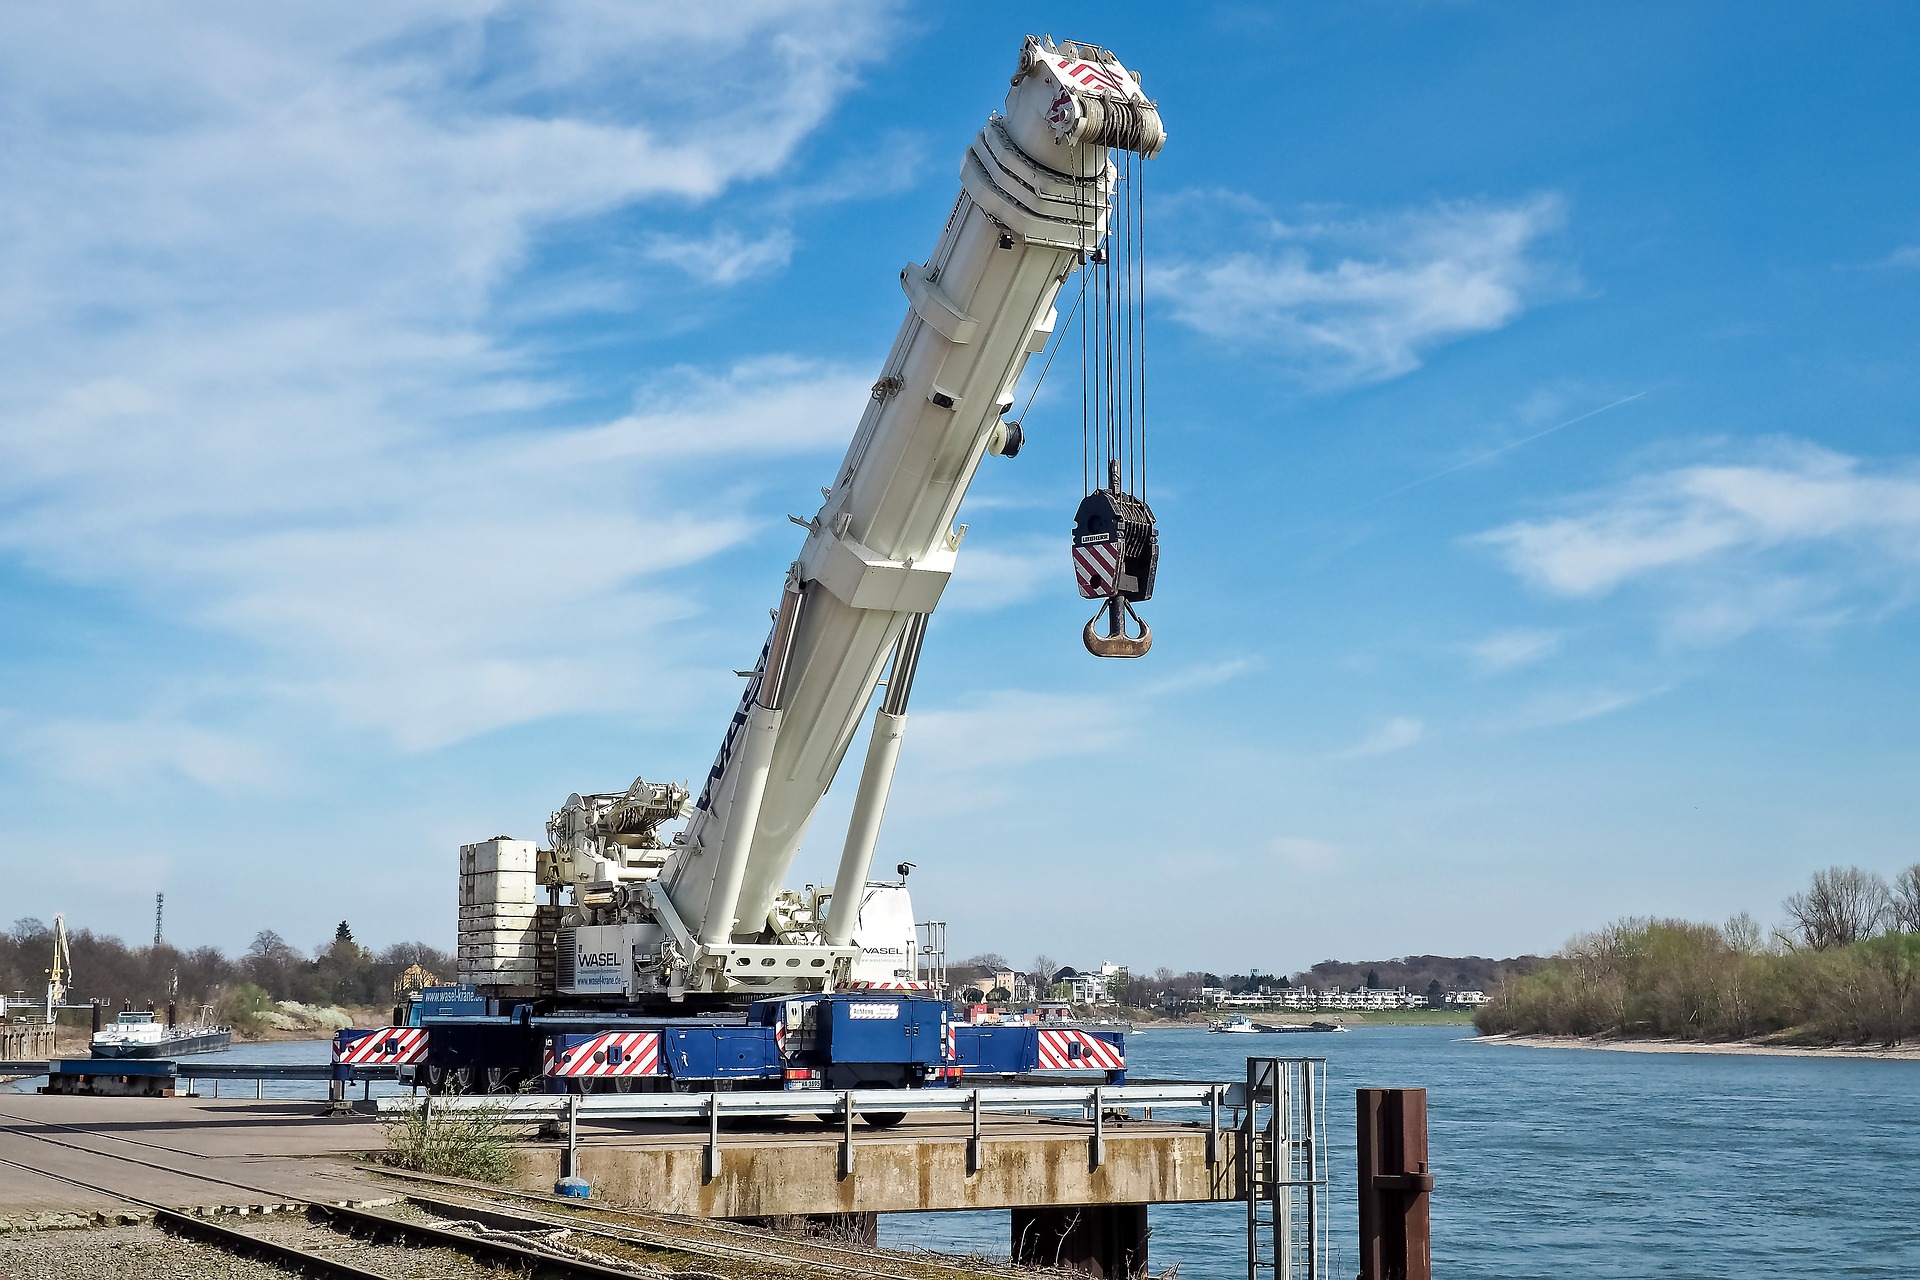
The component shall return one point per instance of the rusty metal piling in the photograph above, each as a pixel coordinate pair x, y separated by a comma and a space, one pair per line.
1396, 1238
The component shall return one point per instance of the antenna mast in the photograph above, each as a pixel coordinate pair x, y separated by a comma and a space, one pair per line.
159, 908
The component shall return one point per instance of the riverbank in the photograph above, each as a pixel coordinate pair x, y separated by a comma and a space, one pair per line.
74, 1034
1339, 1018
1742, 1048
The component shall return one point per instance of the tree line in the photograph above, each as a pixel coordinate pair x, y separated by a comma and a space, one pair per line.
339, 972
1431, 974
1843, 966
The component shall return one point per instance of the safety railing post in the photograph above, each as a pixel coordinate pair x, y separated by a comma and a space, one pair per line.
1099, 1152
846, 1139
573, 1135
973, 1143
713, 1136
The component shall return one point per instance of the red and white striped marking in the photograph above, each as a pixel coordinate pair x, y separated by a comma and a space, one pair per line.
1096, 567
1094, 1054
639, 1053
883, 986
389, 1046
953, 1045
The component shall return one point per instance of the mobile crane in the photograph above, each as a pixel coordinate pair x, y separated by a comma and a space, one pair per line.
658, 932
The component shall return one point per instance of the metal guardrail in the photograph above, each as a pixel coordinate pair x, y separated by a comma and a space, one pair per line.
1093, 1101
198, 1070
811, 1102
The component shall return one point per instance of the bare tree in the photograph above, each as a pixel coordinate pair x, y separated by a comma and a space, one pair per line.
1906, 900
1743, 935
1044, 967
1841, 906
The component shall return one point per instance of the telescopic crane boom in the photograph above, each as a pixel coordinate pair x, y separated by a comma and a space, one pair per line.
707, 913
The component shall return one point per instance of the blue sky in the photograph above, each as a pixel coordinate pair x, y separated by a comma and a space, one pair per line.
399, 413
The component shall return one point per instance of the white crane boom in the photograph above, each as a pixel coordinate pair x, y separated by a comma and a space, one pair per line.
1037, 187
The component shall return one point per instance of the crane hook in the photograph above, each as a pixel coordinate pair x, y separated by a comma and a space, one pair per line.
1117, 643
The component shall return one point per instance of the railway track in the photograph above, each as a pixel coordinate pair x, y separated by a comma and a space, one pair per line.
489, 1228
814, 1254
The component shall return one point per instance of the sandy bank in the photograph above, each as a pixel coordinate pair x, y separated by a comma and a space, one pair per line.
1910, 1052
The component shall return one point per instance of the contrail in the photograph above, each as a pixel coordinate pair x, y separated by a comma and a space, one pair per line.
1494, 453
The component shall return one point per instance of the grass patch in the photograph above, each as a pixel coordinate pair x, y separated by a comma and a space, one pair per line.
477, 1143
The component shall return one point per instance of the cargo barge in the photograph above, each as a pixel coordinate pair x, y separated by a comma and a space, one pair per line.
138, 1035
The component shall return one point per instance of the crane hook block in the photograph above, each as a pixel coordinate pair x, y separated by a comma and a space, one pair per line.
1116, 548
1116, 551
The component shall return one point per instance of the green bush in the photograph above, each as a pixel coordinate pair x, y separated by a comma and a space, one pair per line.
1681, 980
244, 1008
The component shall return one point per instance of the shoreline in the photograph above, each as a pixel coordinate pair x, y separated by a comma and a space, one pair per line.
1734, 1048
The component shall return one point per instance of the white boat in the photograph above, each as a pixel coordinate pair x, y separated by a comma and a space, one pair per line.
1236, 1024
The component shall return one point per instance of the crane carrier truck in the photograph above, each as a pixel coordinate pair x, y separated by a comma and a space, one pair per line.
619, 958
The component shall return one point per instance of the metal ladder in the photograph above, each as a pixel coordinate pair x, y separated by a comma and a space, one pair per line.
1284, 1168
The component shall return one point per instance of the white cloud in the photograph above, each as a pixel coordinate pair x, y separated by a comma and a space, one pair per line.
1396, 734
1571, 706
724, 257
1204, 675
256, 377
1519, 647
1014, 726
998, 576
430, 586
125, 753
1907, 255
1364, 299
1303, 854
968, 758
1788, 538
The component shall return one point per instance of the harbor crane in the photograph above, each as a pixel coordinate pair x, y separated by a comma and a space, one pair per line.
1050, 190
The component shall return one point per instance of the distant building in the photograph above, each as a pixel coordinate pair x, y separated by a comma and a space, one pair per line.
1360, 999
1100, 986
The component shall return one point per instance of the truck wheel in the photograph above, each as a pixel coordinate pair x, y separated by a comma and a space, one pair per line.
883, 1119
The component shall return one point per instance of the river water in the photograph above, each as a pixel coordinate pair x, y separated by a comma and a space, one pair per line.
1579, 1163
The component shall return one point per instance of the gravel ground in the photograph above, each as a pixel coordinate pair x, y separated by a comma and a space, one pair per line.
145, 1253
122, 1253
